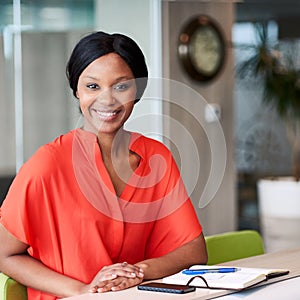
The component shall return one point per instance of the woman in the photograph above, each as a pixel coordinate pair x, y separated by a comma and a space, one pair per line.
100, 208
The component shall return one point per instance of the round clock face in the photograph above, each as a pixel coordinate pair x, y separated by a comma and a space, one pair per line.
202, 48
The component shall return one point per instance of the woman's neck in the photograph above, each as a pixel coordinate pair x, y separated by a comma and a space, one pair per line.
114, 145
111, 144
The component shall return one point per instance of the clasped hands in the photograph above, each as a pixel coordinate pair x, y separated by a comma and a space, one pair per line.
116, 277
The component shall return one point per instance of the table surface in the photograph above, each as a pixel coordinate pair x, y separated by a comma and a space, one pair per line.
284, 287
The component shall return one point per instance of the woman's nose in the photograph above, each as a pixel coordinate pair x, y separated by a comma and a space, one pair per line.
106, 98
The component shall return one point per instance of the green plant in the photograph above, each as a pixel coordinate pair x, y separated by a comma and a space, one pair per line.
276, 64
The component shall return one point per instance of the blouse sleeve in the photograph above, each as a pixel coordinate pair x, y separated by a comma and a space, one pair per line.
21, 210
177, 223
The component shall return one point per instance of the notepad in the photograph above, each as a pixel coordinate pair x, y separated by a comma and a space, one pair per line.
241, 279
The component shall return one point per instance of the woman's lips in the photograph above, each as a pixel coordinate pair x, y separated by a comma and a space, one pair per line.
107, 115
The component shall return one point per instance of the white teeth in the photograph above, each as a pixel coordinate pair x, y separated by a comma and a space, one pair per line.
106, 114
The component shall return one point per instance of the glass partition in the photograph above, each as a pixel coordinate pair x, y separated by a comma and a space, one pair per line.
36, 102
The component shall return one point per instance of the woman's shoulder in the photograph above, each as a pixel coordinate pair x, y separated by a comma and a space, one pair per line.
148, 144
59, 145
51, 155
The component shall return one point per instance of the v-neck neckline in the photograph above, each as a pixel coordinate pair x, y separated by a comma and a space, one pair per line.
103, 172
89, 138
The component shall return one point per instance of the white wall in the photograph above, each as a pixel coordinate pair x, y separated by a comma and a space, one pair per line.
139, 19
219, 211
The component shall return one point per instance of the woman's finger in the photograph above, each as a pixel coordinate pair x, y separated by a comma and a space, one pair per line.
121, 269
119, 283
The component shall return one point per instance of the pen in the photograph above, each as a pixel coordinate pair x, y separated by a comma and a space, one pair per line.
212, 270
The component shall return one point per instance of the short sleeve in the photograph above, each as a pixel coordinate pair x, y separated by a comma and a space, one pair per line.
21, 209
177, 223
173, 231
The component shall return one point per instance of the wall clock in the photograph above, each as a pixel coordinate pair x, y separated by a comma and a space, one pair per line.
201, 48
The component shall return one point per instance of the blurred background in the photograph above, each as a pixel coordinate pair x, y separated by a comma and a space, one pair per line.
36, 39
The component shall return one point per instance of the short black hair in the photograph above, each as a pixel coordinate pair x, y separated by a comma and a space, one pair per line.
98, 44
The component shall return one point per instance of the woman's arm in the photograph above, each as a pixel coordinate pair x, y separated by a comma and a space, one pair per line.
183, 257
16, 263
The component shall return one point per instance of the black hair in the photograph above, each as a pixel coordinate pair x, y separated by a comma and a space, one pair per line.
98, 44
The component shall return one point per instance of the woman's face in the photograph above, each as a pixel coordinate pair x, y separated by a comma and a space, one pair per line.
106, 91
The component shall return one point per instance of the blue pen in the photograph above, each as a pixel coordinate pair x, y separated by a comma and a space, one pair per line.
212, 270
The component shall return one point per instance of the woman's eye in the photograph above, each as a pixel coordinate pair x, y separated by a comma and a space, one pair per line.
93, 86
121, 86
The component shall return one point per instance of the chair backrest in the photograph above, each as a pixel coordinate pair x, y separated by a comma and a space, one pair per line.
11, 289
233, 245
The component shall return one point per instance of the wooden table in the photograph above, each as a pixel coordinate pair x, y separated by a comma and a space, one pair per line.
288, 259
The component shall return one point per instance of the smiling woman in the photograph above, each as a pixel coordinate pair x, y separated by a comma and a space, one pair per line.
106, 92
121, 191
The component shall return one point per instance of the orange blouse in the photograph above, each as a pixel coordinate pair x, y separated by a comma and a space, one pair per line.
63, 205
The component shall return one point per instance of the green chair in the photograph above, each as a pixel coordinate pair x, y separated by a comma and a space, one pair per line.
234, 245
11, 289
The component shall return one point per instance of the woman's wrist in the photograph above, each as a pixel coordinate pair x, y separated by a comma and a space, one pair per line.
144, 267
78, 288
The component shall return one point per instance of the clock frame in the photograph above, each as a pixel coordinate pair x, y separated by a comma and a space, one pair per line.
201, 48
